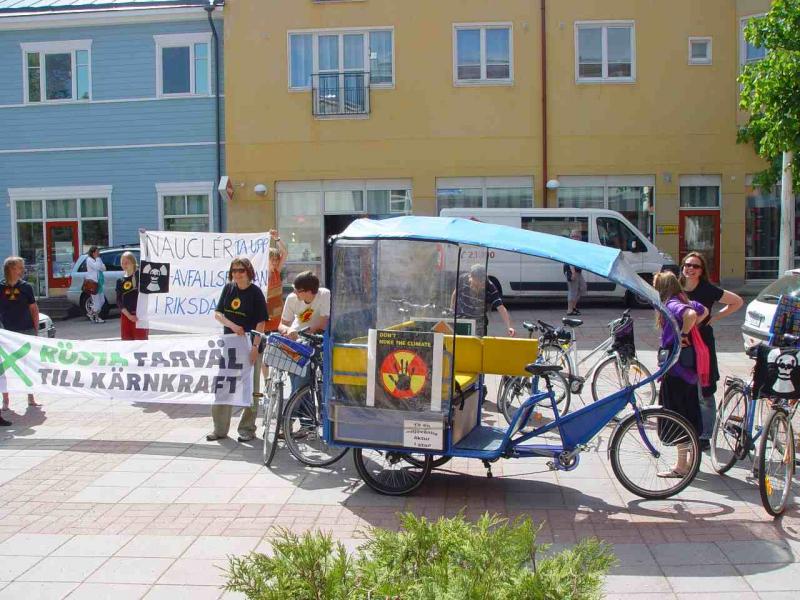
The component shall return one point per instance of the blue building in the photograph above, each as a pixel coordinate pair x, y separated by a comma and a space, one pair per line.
110, 121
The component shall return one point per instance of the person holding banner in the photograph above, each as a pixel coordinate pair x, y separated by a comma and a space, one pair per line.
127, 297
241, 308
95, 267
277, 258
18, 310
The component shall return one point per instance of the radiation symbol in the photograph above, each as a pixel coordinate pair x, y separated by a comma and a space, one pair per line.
127, 285
403, 374
305, 316
236, 303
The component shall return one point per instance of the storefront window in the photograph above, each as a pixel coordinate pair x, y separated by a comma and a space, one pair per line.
388, 202
30, 243
62, 209
762, 233
635, 204
484, 192
300, 224
581, 197
509, 197
344, 201
460, 198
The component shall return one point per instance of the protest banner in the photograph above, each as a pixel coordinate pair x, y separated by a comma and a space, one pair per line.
171, 369
197, 264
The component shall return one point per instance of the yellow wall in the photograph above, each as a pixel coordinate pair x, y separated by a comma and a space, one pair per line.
676, 119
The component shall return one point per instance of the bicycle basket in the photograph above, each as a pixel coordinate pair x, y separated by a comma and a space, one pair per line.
287, 355
622, 331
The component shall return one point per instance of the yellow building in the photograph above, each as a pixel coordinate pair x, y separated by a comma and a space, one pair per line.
374, 107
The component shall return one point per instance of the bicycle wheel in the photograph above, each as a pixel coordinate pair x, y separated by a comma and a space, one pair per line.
730, 439
273, 406
391, 473
302, 430
519, 390
637, 467
417, 460
554, 354
613, 374
776, 463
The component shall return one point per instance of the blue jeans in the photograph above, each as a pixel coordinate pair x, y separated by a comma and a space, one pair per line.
708, 412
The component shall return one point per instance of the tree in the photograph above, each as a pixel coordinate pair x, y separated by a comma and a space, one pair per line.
770, 89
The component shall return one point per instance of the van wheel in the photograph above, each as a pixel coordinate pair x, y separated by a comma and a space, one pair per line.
635, 300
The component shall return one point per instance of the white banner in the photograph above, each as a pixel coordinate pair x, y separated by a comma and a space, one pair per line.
170, 369
198, 270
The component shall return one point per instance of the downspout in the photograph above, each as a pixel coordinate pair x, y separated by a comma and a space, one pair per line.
544, 104
209, 8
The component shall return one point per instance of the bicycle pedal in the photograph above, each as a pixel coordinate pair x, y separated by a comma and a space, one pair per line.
551, 465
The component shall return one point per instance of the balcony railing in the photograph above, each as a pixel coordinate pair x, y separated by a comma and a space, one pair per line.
343, 93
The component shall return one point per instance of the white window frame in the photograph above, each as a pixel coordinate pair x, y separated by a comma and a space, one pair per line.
743, 42
188, 188
182, 40
315, 33
63, 47
604, 49
700, 61
484, 183
700, 181
482, 27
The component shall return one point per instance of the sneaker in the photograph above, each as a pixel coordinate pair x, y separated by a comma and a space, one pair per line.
213, 437
4, 423
705, 445
245, 438
99, 320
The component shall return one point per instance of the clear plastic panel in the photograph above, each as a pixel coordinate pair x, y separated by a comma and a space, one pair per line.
392, 331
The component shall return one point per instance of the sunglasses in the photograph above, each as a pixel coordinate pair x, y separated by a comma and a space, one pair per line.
238, 270
692, 266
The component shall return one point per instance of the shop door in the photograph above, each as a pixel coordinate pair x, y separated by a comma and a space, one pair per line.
62, 251
699, 232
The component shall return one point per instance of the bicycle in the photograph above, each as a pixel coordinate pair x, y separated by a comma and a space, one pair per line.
303, 418
740, 424
619, 369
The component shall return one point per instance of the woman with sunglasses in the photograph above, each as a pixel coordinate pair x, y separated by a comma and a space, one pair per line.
241, 308
694, 280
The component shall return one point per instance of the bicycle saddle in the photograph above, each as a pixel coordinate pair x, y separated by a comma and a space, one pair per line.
537, 369
572, 322
529, 326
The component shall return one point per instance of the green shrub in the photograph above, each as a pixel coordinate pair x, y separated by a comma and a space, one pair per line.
446, 559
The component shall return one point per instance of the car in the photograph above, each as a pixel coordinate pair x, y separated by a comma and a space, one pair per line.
46, 326
111, 257
760, 312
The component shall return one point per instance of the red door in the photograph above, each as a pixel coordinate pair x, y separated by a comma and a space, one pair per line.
62, 251
699, 232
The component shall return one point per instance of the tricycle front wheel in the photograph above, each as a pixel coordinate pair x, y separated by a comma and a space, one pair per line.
391, 473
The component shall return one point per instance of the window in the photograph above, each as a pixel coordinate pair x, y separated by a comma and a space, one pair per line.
699, 50
333, 52
484, 192
700, 191
630, 195
749, 53
57, 71
183, 64
32, 208
482, 53
185, 206
613, 233
605, 52
762, 232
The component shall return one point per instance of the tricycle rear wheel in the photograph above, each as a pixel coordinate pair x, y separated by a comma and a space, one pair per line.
392, 473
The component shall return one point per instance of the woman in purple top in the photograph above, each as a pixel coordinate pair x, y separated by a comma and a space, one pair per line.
679, 390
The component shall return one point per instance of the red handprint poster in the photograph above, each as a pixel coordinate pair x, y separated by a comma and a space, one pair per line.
405, 370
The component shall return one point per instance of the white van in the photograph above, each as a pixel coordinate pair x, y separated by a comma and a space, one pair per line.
526, 276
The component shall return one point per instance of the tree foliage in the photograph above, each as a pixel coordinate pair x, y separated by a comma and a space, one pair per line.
770, 88
446, 559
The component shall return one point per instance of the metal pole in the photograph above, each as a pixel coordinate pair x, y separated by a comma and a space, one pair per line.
209, 9
786, 252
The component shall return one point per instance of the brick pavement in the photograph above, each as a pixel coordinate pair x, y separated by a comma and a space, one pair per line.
102, 499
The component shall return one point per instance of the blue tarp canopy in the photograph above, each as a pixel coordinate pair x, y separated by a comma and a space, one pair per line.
606, 262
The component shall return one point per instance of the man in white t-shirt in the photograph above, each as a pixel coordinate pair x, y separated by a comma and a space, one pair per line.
308, 306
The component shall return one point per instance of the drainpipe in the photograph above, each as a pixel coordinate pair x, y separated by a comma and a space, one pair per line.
209, 8
544, 103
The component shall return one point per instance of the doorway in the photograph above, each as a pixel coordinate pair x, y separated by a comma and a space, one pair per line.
699, 232
62, 251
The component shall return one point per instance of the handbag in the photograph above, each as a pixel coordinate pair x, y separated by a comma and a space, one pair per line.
89, 287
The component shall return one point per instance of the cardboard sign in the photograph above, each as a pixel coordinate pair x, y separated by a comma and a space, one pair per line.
424, 435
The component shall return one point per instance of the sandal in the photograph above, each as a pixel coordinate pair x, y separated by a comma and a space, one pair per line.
671, 474
213, 437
